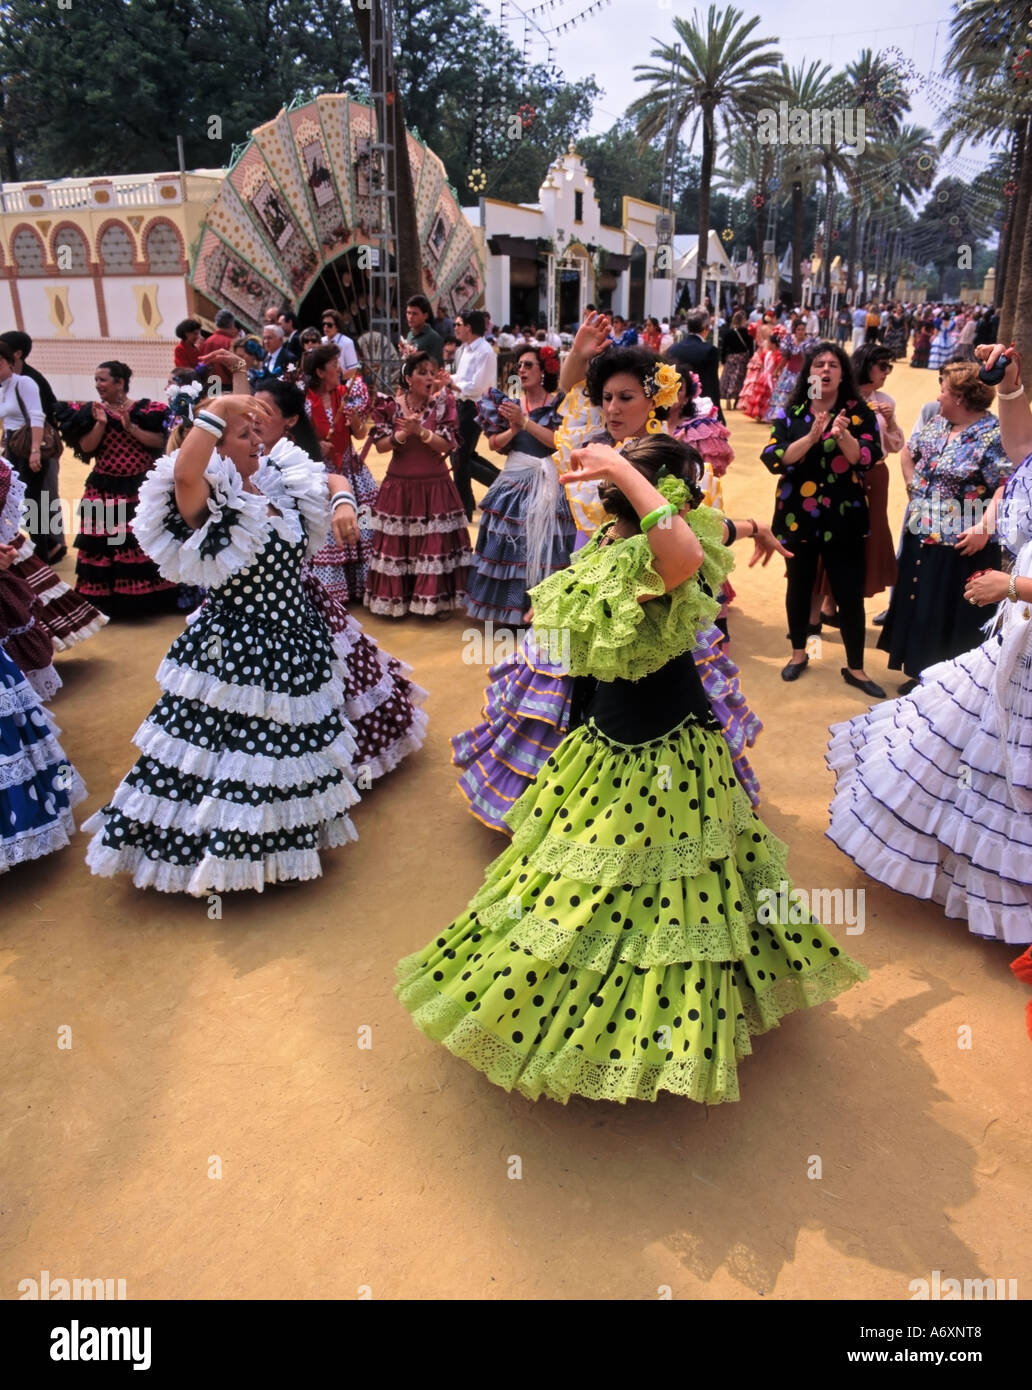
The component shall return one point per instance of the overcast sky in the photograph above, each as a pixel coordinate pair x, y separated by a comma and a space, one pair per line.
609, 43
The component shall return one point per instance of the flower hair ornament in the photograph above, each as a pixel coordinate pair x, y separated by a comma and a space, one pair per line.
182, 399
549, 358
662, 387
675, 490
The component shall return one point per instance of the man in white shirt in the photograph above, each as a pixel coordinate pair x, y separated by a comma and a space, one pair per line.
813, 323
476, 369
333, 332
553, 339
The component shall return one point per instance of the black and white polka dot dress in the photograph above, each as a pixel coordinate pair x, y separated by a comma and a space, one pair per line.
247, 769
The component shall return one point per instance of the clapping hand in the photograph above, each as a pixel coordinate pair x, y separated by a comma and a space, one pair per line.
8, 555
840, 425
820, 424
99, 413
512, 412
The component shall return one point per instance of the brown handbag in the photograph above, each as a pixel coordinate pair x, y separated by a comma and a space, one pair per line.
19, 441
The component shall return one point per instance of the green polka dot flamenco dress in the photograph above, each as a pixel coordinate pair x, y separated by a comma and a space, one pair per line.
246, 770
615, 949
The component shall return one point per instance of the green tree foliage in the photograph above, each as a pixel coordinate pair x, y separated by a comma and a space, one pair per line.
105, 87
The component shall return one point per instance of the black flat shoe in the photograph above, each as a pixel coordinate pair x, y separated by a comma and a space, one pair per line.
868, 687
908, 686
794, 669
879, 619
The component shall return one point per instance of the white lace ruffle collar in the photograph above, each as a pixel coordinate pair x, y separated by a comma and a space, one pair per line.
296, 486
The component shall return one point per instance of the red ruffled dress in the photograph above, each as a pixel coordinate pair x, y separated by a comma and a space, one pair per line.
111, 570
420, 550
342, 569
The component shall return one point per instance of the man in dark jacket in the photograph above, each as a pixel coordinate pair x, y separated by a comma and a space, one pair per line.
702, 357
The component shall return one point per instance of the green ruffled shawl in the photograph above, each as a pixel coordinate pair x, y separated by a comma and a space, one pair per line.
592, 610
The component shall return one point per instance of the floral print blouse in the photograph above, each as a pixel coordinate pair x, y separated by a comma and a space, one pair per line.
954, 480
821, 497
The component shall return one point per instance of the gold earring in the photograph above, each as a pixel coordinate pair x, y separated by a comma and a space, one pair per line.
652, 425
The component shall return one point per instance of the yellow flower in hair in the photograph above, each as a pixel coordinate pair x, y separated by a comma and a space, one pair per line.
666, 381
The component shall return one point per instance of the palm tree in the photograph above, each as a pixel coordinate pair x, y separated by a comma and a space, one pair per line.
717, 72
804, 87
909, 161
868, 83
997, 106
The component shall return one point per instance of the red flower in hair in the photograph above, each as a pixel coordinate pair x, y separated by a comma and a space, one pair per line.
549, 358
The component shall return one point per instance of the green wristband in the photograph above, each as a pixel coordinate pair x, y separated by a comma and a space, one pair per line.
654, 518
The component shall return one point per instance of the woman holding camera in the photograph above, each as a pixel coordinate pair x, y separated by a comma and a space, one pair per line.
952, 468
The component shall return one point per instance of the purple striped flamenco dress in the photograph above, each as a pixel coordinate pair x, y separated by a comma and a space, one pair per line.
934, 790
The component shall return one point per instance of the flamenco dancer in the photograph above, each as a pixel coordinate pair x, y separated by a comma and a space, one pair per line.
526, 528
527, 704
934, 789
59, 613
38, 785
618, 947
246, 767
338, 412
420, 549
122, 438
381, 703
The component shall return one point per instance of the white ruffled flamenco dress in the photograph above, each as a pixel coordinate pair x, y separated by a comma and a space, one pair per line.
934, 791
247, 766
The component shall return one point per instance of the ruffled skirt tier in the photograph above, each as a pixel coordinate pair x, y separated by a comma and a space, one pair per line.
614, 950
922, 803
241, 781
38, 785
420, 548
526, 714
498, 582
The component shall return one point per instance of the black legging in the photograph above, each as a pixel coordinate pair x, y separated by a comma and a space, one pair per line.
466, 461
844, 565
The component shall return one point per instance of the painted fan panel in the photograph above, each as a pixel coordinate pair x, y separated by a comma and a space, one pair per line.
305, 192
276, 141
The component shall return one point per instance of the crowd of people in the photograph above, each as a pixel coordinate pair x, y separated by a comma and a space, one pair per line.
619, 946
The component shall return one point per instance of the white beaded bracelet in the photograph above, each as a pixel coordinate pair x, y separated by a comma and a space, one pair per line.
340, 498
1010, 395
207, 427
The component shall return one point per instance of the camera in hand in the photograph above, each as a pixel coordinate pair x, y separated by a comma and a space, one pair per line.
992, 376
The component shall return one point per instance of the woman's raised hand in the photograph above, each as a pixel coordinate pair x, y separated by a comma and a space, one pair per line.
840, 425
595, 461
988, 354
593, 335
230, 407
98, 412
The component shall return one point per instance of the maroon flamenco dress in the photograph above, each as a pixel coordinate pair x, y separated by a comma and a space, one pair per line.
111, 570
39, 614
421, 550
342, 569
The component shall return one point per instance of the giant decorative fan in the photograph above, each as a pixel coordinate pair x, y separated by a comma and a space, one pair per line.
302, 196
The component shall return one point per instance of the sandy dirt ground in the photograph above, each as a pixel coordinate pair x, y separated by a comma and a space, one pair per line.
246, 1111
